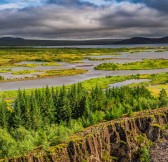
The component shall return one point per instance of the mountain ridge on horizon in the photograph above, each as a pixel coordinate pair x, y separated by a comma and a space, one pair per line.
17, 41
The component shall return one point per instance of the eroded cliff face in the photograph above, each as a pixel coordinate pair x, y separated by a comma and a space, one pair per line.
159, 151
113, 141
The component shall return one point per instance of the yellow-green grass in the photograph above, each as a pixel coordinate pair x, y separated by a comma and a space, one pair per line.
10, 56
45, 74
145, 64
76, 61
61, 72
5, 70
49, 64
39, 64
155, 89
101, 59
155, 79
25, 65
22, 72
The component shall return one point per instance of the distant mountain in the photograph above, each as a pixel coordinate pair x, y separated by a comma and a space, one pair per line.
142, 40
10, 41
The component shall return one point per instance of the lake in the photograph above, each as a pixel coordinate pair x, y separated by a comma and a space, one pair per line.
106, 46
88, 65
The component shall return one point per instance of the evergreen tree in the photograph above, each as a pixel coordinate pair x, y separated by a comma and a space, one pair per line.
50, 106
4, 115
36, 118
87, 111
27, 113
17, 119
163, 98
65, 110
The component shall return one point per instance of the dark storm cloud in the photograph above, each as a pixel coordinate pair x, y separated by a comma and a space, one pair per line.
70, 3
161, 5
65, 2
133, 15
59, 21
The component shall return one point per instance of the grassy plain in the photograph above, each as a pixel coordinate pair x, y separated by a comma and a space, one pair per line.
22, 72
60, 133
44, 74
145, 64
9, 57
156, 81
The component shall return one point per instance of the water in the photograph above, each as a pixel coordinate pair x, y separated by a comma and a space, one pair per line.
106, 46
88, 65
58, 81
140, 55
127, 82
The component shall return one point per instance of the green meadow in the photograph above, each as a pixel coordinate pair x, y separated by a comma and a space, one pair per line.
146, 64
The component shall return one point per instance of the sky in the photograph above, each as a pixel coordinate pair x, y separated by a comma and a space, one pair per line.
83, 19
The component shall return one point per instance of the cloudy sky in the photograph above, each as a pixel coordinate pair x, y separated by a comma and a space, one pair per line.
83, 19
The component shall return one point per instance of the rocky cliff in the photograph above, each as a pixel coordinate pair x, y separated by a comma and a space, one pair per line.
114, 141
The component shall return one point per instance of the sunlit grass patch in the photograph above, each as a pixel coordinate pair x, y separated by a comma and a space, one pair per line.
11, 56
61, 72
26, 65
145, 64
155, 89
5, 70
49, 64
156, 79
22, 72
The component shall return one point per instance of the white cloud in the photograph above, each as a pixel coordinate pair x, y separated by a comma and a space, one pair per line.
98, 2
10, 6
18, 4
117, 20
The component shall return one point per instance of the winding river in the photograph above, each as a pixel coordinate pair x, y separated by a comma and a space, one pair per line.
88, 65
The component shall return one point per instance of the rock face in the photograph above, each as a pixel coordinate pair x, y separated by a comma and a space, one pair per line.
114, 141
159, 152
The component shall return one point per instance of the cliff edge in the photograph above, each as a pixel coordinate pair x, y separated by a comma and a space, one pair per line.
115, 141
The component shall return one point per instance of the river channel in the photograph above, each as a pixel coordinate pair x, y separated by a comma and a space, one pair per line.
86, 64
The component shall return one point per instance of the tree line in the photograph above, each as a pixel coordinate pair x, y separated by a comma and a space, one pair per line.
62, 110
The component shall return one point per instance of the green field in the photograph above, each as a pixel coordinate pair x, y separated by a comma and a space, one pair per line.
146, 64
9, 57
38, 119
48, 117
44, 74
103, 82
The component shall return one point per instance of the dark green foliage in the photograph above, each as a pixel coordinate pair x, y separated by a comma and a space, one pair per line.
144, 154
1, 78
51, 106
4, 115
145, 64
48, 116
163, 98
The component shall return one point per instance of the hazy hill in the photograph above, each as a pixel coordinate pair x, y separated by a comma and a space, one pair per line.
142, 40
10, 41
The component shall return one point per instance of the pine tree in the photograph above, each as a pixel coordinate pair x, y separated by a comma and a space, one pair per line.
46, 106
4, 115
27, 113
17, 119
87, 111
163, 98
50, 108
64, 109
36, 118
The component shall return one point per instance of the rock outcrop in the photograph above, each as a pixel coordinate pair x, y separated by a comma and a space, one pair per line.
114, 141
159, 151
